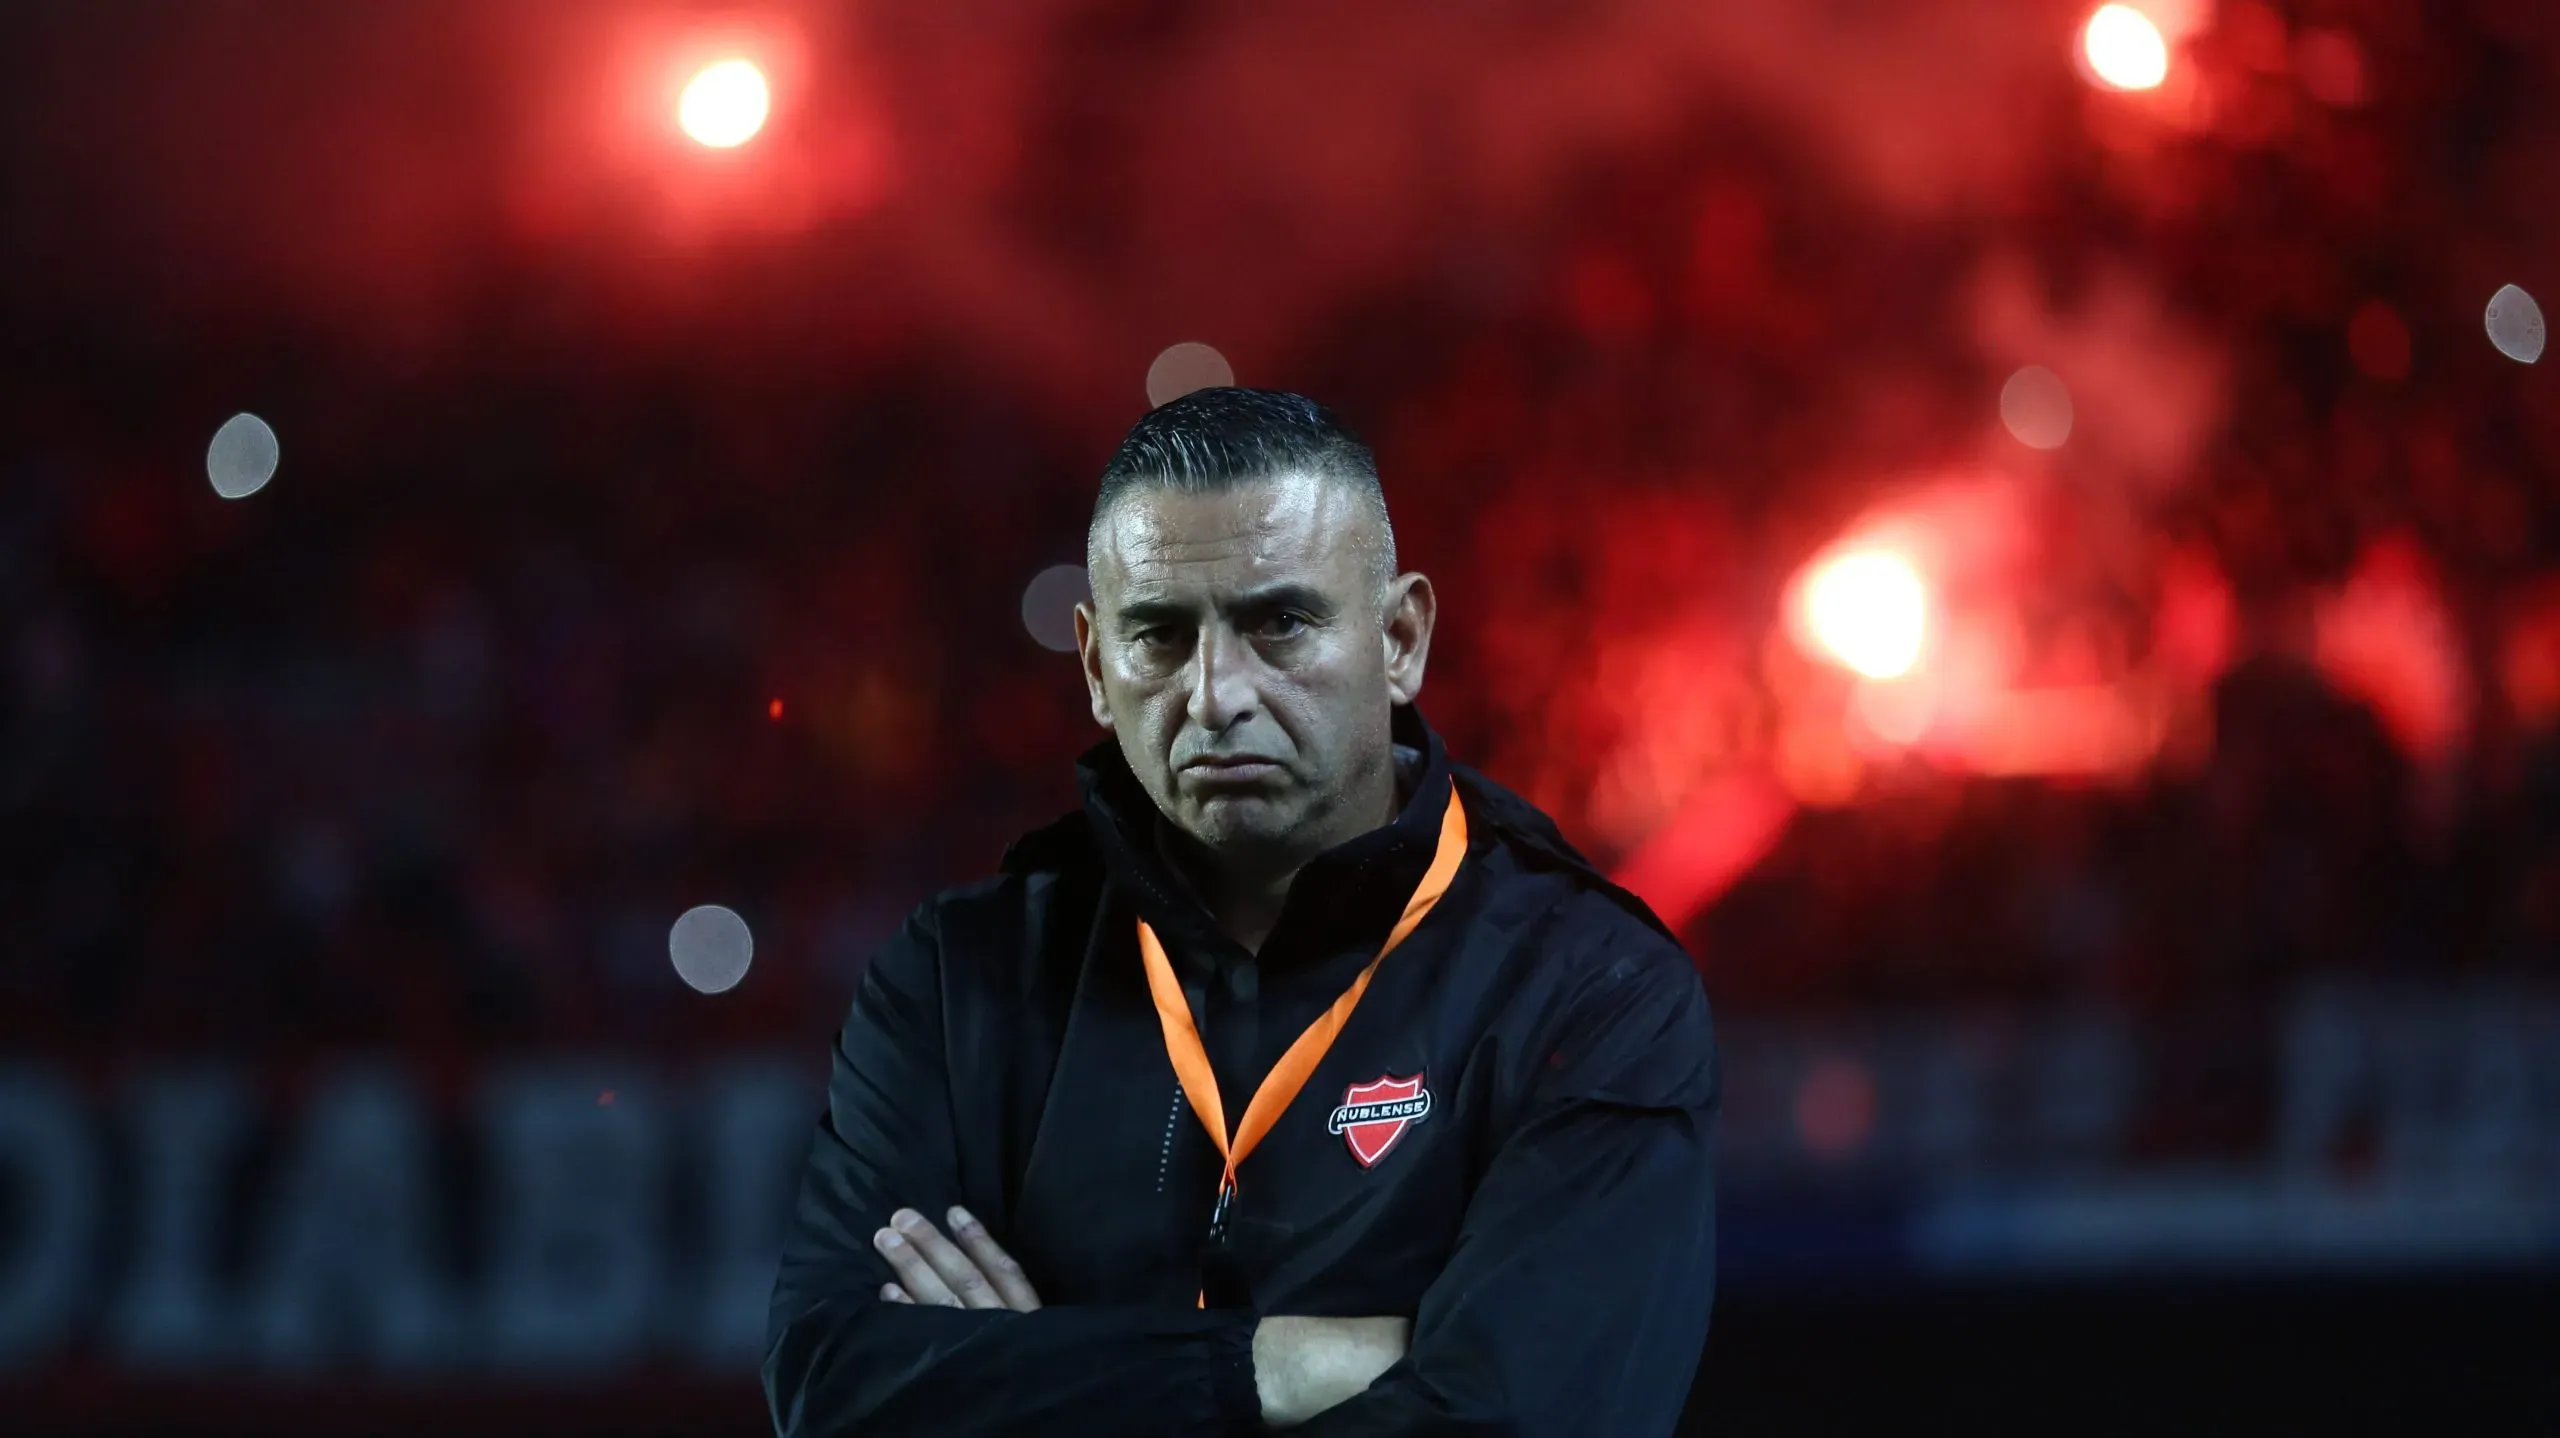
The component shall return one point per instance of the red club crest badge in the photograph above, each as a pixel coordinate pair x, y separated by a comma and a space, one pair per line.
1375, 1114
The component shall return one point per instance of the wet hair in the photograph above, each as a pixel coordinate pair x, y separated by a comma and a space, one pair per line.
1212, 440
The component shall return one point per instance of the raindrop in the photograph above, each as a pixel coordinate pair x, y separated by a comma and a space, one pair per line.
1185, 367
1049, 605
2036, 405
244, 452
2515, 325
711, 948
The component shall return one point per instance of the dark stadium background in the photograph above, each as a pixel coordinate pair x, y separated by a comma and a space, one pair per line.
2148, 1005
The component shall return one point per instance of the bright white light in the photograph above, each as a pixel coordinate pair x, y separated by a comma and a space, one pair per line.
1185, 367
2515, 325
725, 105
2036, 406
242, 457
1049, 605
2124, 48
711, 947
1870, 610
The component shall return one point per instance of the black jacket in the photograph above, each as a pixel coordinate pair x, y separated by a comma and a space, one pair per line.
1548, 1223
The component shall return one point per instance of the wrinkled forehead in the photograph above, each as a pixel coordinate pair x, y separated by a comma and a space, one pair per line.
1290, 530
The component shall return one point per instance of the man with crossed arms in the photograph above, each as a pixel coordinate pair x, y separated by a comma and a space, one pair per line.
1304, 1079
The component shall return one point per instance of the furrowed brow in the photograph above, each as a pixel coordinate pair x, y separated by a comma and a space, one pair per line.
1253, 604
1275, 597
1147, 613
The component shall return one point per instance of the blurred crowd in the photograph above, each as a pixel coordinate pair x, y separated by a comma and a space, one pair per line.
427, 744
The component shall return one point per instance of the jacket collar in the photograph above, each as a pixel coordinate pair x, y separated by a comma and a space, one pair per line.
1388, 861
1347, 894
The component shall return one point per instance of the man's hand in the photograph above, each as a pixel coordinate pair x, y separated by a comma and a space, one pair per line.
935, 1272
1303, 1366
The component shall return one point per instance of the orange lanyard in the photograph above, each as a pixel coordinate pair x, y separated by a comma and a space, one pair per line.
1281, 1085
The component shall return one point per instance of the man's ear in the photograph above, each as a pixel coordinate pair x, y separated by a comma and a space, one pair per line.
1410, 609
1089, 652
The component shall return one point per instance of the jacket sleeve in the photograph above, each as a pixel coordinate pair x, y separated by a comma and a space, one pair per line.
840, 1361
1576, 1299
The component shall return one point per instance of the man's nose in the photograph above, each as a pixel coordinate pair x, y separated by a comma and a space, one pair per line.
1222, 680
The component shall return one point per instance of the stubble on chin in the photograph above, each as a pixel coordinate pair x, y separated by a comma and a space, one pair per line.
1241, 830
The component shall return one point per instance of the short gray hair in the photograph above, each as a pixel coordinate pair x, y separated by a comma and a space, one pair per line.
1215, 439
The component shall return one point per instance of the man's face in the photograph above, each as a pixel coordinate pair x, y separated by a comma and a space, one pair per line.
1240, 647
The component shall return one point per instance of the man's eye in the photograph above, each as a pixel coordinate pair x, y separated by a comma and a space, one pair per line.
1285, 626
1155, 635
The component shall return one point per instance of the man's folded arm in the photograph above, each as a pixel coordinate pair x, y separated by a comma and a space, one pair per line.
841, 1360
1576, 1300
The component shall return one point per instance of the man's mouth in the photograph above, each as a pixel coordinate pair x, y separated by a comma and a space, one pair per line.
1234, 767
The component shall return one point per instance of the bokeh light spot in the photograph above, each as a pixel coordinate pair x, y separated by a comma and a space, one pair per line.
1870, 611
1049, 605
1835, 1108
2515, 324
2124, 49
2036, 406
711, 948
2378, 341
725, 105
774, 710
242, 457
1185, 367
